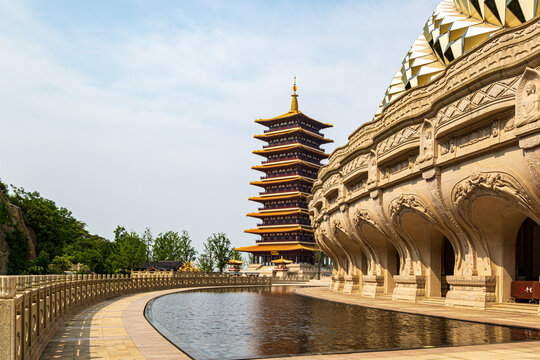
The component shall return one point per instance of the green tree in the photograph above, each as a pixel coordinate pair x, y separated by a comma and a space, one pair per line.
149, 241
219, 246
205, 263
129, 251
174, 246
40, 264
54, 226
318, 258
61, 264
91, 250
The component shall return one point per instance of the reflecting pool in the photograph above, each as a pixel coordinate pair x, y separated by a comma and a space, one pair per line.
255, 322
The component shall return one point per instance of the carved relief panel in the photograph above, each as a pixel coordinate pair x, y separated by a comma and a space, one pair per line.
528, 102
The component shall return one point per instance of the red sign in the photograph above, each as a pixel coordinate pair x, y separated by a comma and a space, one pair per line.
525, 290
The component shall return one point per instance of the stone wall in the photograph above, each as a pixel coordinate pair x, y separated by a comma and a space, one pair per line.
33, 307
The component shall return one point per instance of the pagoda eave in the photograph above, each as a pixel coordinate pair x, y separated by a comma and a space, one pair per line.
280, 148
293, 113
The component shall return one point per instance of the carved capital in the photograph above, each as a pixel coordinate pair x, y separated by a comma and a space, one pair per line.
497, 182
362, 216
405, 201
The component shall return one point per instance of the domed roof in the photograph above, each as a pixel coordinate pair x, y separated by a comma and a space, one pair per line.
455, 27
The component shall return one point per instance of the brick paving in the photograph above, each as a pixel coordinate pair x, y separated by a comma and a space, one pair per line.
117, 329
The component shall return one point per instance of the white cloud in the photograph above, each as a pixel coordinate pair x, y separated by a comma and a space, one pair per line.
152, 125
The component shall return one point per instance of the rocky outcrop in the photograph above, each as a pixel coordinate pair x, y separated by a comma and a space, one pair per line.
11, 221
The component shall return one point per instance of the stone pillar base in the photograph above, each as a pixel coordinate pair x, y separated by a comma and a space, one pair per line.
409, 287
351, 285
473, 291
373, 286
338, 282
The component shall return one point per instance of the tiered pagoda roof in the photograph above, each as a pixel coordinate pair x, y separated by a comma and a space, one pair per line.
293, 158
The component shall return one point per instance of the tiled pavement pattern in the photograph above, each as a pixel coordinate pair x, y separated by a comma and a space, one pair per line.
117, 329
113, 329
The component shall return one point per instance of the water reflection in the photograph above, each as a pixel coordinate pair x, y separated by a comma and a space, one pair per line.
254, 322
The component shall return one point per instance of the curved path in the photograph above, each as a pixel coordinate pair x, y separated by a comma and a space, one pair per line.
113, 329
117, 329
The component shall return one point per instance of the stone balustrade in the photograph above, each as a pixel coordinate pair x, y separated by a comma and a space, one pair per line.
33, 307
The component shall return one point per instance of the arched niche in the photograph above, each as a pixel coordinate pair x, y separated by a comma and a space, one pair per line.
387, 254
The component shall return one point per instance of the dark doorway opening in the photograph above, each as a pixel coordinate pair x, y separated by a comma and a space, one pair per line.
448, 261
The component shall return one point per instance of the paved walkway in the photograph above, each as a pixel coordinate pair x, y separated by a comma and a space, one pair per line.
117, 329
486, 316
113, 329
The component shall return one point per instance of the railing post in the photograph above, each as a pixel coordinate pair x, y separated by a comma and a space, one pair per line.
8, 286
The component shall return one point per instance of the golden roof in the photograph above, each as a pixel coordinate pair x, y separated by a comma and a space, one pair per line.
278, 196
454, 28
282, 180
278, 213
282, 261
235, 262
268, 230
276, 247
288, 147
285, 163
271, 134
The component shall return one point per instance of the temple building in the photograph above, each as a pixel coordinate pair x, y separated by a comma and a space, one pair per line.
437, 198
293, 157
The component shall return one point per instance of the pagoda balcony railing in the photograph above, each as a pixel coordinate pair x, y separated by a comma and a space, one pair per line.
292, 222
296, 157
284, 127
290, 142
289, 173
284, 206
267, 239
273, 191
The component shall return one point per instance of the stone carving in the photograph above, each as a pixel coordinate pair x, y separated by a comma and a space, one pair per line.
449, 146
359, 183
337, 225
372, 169
399, 166
403, 201
334, 179
474, 137
494, 182
427, 141
528, 98
361, 216
407, 134
355, 164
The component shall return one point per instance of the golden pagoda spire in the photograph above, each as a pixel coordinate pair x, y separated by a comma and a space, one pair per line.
294, 102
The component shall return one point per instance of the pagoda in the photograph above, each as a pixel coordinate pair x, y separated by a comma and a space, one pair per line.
293, 157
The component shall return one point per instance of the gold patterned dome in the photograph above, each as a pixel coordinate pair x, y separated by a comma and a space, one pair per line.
455, 27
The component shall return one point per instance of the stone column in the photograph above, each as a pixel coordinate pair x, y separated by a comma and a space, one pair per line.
8, 288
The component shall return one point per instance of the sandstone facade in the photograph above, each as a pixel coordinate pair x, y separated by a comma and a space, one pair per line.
428, 199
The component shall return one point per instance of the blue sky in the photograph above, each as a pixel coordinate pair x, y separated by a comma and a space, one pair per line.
141, 113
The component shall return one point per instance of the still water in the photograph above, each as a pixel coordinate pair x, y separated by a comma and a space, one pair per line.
256, 322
